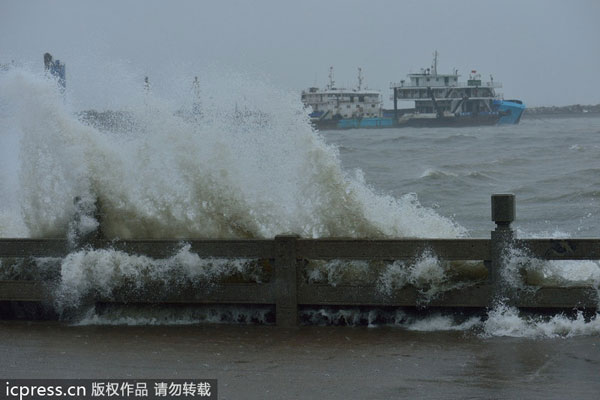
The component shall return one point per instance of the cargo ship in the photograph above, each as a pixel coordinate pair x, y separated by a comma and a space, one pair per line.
441, 100
339, 108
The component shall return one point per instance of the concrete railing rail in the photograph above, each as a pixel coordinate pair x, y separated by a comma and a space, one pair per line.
287, 290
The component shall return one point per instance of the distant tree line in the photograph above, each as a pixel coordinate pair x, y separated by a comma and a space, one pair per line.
572, 109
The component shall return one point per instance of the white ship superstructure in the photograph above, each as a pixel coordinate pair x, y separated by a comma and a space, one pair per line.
334, 103
443, 95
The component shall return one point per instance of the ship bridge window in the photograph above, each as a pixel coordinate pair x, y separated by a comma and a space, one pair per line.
446, 80
361, 98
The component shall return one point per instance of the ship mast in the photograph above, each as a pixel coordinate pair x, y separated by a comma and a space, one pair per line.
434, 66
331, 81
196, 87
360, 78
196, 106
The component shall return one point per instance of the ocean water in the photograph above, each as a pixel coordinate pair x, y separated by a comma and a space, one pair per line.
251, 166
551, 164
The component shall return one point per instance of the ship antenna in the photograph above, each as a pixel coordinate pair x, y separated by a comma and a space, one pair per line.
360, 78
331, 81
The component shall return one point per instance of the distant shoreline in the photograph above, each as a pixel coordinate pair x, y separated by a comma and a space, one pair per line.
572, 110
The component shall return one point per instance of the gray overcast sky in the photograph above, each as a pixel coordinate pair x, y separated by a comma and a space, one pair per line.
543, 51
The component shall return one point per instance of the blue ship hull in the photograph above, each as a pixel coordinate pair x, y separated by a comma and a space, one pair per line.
510, 111
350, 123
354, 123
504, 112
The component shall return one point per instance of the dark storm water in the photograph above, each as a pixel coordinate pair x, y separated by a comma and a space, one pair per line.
552, 165
263, 362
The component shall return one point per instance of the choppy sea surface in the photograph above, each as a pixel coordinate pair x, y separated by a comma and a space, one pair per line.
159, 169
551, 164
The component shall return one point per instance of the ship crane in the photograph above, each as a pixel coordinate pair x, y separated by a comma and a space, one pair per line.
434, 66
438, 111
331, 81
460, 102
360, 78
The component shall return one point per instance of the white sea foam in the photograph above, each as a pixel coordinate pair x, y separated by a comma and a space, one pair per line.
240, 170
436, 173
398, 319
443, 323
99, 272
523, 269
506, 321
336, 272
140, 315
501, 321
427, 273
255, 173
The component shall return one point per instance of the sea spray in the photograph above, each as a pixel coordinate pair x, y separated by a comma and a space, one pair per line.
398, 318
228, 175
429, 275
439, 322
502, 321
426, 273
508, 321
524, 272
251, 170
99, 272
148, 315
339, 272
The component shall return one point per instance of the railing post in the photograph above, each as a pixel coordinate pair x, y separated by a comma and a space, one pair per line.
286, 281
503, 214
